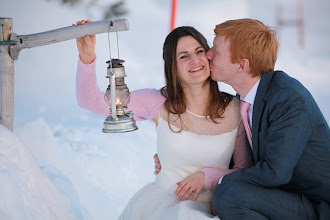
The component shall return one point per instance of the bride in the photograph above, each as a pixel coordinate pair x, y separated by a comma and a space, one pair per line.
198, 128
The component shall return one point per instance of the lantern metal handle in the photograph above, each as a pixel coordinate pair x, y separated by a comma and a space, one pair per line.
113, 95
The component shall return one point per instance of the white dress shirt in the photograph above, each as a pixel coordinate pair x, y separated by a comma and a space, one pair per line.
249, 98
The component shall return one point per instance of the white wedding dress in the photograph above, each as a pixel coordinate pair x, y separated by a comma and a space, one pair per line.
201, 143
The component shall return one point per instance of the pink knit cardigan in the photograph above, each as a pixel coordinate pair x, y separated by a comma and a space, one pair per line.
145, 104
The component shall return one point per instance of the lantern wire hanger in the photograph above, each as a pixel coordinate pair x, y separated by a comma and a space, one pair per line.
117, 96
110, 44
110, 25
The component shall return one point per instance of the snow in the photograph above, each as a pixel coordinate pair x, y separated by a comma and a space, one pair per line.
58, 164
26, 192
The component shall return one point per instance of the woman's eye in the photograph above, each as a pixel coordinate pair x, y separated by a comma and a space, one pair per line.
200, 51
183, 57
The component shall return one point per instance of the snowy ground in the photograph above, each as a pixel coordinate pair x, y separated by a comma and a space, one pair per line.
95, 174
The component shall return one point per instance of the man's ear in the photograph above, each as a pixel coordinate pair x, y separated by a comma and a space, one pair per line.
244, 65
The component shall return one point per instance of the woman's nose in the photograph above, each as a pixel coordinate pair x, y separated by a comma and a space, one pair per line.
194, 58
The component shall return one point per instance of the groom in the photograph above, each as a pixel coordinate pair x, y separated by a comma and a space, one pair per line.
287, 135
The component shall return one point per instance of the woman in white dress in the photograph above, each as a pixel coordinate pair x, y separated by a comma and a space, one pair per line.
197, 128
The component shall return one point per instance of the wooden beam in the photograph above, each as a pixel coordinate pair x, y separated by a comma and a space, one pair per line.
11, 44
66, 33
6, 76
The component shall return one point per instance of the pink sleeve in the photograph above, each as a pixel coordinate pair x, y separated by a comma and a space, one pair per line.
212, 174
144, 103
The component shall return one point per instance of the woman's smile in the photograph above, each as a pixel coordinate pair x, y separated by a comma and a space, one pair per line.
196, 69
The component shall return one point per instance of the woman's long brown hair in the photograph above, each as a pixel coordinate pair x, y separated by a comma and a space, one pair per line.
175, 100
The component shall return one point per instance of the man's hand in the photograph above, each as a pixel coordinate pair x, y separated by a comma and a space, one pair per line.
193, 183
158, 166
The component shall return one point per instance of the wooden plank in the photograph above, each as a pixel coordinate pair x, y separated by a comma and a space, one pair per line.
6, 76
66, 33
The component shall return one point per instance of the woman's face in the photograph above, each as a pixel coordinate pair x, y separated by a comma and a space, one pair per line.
192, 64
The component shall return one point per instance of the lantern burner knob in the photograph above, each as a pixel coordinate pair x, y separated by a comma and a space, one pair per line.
115, 63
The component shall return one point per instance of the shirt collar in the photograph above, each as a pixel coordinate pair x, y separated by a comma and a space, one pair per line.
249, 98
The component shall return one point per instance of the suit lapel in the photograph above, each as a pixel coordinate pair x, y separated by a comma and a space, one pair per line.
258, 107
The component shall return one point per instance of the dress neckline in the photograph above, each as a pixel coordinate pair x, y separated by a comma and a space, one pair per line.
199, 116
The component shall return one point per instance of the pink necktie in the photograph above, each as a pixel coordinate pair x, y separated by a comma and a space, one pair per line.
244, 114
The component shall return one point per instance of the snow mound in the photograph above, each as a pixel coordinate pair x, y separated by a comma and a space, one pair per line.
26, 192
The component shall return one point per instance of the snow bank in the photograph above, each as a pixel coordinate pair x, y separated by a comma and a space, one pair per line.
26, 192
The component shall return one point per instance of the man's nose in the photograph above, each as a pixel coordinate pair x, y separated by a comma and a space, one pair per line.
209, 54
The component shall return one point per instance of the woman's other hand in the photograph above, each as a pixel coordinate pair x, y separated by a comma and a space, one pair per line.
214, 213
158, 166
86, 45
194, 183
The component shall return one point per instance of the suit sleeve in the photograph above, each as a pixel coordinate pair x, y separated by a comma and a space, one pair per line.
283, 141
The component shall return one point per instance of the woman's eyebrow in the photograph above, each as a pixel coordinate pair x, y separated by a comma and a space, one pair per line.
183, 52
197, 48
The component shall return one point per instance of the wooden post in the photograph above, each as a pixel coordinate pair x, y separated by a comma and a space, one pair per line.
6, 76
